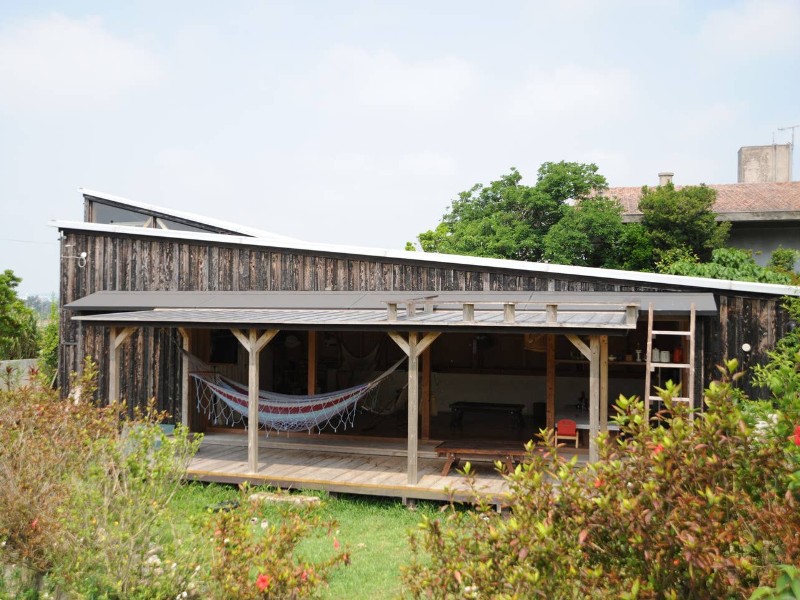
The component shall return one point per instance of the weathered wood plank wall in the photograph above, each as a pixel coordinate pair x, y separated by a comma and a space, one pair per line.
151, 361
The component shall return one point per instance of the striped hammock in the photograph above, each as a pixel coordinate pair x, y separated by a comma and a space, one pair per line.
224, 399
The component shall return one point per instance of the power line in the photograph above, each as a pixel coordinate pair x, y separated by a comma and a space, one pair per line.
27, 241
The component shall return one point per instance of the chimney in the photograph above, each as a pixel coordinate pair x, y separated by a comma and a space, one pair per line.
665, 177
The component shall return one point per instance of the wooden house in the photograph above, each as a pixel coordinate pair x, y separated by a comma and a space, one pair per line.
494, 349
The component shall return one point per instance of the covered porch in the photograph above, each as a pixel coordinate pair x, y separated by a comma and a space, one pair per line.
404, 465
345, 464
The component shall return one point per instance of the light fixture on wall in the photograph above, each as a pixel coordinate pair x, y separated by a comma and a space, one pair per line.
81, 258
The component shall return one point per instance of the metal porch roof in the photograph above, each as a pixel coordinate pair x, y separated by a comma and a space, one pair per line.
664, 303
576, 313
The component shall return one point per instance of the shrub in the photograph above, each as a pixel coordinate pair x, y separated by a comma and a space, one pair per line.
84, 493
116, 538
42, 441
687, 508
253, 558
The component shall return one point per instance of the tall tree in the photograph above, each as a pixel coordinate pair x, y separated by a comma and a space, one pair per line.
682, 218
18, 334
592, 234
506, 219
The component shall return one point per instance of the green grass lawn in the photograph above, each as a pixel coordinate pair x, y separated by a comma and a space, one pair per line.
373, 530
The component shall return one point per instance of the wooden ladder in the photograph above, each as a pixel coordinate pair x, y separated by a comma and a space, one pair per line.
687, 387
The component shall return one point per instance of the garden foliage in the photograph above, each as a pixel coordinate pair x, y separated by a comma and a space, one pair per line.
255, 558
688, 508
85, 510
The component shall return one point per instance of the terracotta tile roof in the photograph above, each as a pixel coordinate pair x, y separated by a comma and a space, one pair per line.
731, 197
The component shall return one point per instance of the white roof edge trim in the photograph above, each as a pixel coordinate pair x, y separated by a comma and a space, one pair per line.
249, 231
452, 259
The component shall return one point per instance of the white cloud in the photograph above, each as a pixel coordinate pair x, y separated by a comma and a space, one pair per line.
382, 80
573, 92
58, 62
753, 28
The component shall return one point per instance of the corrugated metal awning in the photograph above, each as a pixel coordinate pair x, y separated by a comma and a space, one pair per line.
579, 313
664, 303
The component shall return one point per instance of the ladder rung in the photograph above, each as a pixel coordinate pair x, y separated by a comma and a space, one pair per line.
670, 332
670, 365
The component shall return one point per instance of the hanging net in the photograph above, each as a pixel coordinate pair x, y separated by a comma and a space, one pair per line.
225, 400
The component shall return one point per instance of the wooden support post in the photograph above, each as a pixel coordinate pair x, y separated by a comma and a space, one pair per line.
413, 348
312, 362
185, 345
426, 394
594, 396
631, 314
391, 311
468, 312
413, 406
551, 313
113, 366
551, 382
115, 339
252, 401
509, 312
603, 383
253, 344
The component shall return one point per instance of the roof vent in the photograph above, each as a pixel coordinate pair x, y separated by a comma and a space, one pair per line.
665, 177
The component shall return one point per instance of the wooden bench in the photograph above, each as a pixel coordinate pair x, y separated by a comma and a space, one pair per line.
457, 410
454, 451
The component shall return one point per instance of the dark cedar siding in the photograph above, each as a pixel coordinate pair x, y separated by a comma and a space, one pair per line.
151, 360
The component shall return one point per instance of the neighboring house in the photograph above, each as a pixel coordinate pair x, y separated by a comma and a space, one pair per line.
535, 341
763, 216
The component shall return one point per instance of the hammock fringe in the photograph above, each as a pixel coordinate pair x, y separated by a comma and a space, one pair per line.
226, 400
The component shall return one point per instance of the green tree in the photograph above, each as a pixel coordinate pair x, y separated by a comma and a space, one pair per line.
592, 234
564, 181
782, 260
725, 263
48, 344
682, 218
506, 219
18, 333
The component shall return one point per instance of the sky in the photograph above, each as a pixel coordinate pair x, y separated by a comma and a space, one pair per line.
359, 122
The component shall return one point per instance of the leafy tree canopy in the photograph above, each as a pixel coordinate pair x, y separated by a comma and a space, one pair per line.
18, 334
682, 218
506, 219
592, 234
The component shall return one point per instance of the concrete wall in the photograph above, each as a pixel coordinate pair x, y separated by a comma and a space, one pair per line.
764, 240
765, 164
20, 374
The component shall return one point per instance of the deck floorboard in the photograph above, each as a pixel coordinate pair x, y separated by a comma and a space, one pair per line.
368, 466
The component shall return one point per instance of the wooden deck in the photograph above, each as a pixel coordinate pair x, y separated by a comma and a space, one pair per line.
369, 466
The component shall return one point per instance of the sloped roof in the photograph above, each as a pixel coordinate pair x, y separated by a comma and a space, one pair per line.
152, 209
624, 277
664, 303
763, 201
440, 311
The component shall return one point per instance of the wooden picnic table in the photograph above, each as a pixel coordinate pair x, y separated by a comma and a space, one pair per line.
455, 450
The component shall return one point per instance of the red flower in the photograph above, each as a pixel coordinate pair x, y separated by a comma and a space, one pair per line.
598, 482
34, 523
262, 582
797, 436
658, 450
336, 544
304, 575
